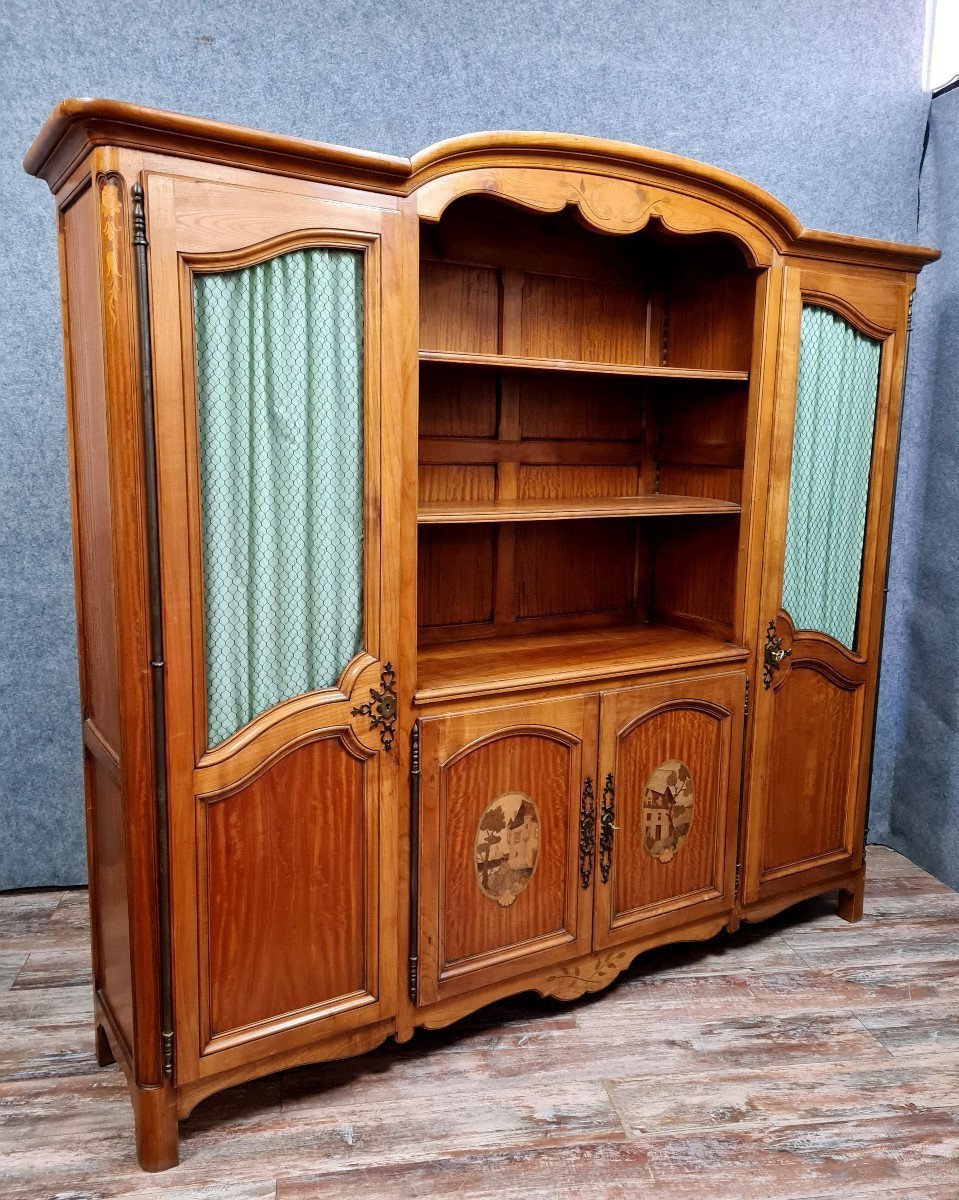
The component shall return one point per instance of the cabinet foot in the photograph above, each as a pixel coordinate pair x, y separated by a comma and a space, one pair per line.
158, 1141
850, 902
104, 1054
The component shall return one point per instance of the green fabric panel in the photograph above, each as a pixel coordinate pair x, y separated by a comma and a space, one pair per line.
829, 479
279, 364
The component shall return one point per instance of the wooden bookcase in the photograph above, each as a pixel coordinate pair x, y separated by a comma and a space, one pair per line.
479, 566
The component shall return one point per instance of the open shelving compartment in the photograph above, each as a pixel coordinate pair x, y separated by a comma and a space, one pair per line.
582, 428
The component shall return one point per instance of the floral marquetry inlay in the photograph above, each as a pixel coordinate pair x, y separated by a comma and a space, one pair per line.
667, 812
507, 847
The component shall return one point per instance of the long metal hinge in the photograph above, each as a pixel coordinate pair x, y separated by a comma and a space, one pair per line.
746, 700
414, 962
157, 665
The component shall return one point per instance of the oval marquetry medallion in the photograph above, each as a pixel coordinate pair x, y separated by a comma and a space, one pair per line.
507, 847
667, 809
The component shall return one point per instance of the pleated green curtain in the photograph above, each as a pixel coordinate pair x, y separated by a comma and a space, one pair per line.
829, 479
279, 367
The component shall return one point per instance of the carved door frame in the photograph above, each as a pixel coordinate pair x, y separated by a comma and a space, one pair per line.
874, 304
202, 225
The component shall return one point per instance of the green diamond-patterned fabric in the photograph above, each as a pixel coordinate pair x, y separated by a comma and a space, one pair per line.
279, 365
829, 479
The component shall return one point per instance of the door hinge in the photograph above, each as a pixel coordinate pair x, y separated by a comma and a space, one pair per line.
607, 828
158, 689
746, 700
413, 965
587, 832
167, 1039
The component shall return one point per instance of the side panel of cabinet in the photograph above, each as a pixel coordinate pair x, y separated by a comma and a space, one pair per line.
500, 885
831, 473
670, 762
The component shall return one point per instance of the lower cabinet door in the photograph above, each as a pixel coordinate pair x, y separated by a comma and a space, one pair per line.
670, 760
501, 889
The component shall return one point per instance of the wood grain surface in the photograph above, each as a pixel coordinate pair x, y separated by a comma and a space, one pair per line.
807, 1059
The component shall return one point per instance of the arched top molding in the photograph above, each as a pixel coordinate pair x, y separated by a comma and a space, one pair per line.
75, 127
602, 176
605, 202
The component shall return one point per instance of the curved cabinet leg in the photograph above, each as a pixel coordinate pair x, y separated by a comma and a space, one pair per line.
158, 1142
102, 1049
850, 901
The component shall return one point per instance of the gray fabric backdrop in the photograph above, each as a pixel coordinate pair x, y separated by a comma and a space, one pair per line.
916, 793
819, 102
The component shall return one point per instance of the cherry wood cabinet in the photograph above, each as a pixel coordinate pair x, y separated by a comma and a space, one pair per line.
479, 569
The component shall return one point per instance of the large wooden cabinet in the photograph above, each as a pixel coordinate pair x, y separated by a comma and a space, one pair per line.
479, 567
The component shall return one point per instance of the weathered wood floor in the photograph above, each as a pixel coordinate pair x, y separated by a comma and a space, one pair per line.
806, 1058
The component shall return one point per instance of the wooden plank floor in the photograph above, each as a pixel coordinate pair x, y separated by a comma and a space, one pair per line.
804, 1058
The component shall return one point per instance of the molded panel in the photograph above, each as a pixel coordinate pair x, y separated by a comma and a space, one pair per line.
285, 891
810, 788
500, 887
670, 758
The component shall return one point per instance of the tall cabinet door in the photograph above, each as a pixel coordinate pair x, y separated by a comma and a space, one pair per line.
829, 509
506, 842
278, 383
670, 756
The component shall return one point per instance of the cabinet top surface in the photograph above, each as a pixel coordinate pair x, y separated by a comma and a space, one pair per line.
76, 126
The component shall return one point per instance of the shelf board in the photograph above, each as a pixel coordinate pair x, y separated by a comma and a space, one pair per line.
475, 512
513, 362
447, 670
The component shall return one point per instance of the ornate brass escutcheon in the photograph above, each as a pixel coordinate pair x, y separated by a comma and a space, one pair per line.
381, 707
587, 832
773, 654
607, 827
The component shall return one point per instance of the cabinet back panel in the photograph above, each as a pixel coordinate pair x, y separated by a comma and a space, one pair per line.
455, 574
718, 483
457, 482
459, 307
569, 567
580, 408
710, 322
457, 402
544, 483
712, 414
486, 231
285, 888
694, 571
581, 319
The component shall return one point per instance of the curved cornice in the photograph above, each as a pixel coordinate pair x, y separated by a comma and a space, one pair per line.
76, 126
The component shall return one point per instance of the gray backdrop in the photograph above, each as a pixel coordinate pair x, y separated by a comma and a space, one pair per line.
820, 103
917, 788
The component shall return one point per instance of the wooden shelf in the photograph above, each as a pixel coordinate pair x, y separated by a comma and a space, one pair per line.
475, 512
512, 362
447, 670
